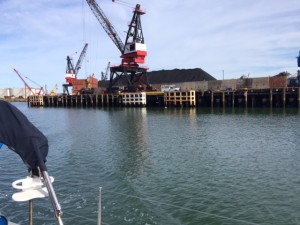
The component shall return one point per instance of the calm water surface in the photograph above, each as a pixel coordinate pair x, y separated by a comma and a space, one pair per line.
164, 166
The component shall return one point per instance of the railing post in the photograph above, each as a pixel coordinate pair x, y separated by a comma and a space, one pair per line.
99, 207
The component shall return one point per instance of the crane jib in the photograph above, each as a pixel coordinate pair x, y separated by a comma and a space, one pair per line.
108, 28
79, 62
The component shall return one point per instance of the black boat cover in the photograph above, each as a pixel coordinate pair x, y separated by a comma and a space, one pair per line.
21, 136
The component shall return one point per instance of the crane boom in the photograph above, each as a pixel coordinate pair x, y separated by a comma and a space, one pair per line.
133, 52
109, 29
24, 81
298, 59
104, 75
41, 87
79, 62
71, 71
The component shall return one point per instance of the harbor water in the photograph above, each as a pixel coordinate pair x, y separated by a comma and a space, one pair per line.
166, 166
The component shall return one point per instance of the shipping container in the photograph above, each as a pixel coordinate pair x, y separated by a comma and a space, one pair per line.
92, 82
278, 82
81, 82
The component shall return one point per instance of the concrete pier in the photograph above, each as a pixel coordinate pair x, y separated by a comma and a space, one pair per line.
279, 97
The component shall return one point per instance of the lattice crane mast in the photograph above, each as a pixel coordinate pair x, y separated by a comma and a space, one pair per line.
80, 59
133, 52
108, 28
29, 88
41, 87
135, 49
104, 75
71, 71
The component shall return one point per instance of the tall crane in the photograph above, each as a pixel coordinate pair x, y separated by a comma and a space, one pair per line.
133, 52
80, 59
29, 88
298, 72
53, 91
41, 87
104, 75
71, 71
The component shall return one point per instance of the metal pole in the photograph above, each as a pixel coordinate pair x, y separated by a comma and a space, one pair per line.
99, 208
30, 222
52, 195
30, 206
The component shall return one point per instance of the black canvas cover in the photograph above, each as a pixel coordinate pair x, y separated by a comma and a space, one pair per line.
20, 135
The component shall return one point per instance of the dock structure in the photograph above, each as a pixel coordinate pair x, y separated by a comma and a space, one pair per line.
134, 99
36, 100
180, 98
277, 97
84, 100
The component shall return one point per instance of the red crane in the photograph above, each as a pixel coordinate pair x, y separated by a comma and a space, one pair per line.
133, 52
41, 87
29, 88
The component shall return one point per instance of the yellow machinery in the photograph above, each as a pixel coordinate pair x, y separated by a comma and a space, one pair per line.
53, 91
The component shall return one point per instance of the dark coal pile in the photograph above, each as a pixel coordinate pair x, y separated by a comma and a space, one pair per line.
169, 76
178, 76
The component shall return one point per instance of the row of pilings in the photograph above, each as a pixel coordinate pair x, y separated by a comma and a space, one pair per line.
279, 97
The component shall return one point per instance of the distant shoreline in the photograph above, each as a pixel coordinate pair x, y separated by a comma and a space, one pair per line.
14, 99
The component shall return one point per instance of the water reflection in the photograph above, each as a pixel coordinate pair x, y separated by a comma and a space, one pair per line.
237, 163
134, 141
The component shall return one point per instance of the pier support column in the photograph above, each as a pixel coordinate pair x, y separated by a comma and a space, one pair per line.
271, 98
233, 99
253, 100
180, 99
299, 97
223, 99
246, 98
212, 99
284, 97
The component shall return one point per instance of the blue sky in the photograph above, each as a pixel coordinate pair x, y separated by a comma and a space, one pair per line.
258, 38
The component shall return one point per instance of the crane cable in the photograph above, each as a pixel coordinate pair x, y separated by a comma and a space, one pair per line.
124, 3
89, 37
84, 33
87, 65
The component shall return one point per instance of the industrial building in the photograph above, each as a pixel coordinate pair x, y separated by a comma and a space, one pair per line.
15, 93
199, 80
